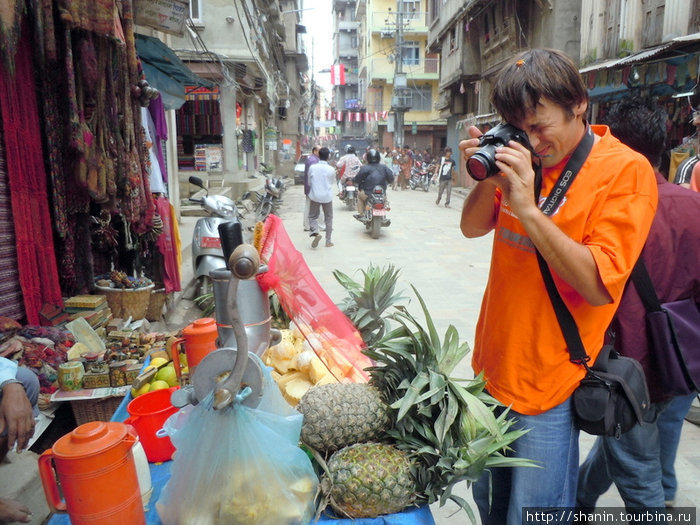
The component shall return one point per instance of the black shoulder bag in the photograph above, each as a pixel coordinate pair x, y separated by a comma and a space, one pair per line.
613, 396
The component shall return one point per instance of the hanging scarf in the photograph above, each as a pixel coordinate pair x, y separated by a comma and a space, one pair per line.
11, 12
20, 119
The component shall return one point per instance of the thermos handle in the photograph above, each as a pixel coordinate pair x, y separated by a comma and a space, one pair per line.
48, 481
175, 356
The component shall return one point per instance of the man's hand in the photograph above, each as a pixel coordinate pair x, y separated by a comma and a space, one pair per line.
16, 416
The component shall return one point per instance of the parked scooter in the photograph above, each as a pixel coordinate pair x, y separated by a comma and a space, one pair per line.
374, 216
207, 254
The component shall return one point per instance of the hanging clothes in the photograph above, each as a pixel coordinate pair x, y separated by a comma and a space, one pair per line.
157, 111
38, 274
167, 248
155, 176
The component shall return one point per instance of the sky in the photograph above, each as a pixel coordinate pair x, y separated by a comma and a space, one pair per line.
319, 45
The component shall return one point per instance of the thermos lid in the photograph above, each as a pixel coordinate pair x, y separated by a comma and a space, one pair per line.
90, 439
203, 326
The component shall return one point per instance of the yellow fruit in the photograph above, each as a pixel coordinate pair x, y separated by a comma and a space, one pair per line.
136, 393
167, 374
158, 361
183, 359
158, 385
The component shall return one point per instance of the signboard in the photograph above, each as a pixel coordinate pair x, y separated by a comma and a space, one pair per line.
164, 15
414, 128
208, 157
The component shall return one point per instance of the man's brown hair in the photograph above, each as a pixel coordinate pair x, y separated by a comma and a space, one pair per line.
534, 74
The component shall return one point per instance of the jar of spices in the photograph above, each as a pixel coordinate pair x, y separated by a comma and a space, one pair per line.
117, 373
70, 375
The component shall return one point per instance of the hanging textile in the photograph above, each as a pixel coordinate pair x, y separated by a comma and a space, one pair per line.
90, 15
20, 118
155, 175
10, 21
166, 247
160, 137
10, 291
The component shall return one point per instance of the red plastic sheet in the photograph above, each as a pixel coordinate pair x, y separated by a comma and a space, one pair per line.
328, 331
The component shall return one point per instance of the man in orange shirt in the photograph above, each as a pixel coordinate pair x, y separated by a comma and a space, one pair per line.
590, 242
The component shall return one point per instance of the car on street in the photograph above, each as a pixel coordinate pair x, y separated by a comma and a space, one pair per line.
299, 169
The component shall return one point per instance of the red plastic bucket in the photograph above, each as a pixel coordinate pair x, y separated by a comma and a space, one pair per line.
148, 414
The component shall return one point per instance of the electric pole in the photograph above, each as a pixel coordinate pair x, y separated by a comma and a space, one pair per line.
398, 99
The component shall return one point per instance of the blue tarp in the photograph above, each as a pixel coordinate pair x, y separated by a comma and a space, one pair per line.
166, 72
160, 473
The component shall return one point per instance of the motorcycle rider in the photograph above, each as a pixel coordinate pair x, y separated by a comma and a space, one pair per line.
347, 167
371, 175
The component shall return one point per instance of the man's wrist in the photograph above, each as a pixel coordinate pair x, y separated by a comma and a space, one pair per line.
11, 381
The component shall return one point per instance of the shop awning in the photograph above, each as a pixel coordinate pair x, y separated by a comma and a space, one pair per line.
166, 72
681, 45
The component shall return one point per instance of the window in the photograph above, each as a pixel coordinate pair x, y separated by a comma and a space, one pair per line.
420, 98
410, 53
196, 12
411, 9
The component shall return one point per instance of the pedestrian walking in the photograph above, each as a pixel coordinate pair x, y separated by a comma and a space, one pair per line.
310, 160
445, 174
322, 186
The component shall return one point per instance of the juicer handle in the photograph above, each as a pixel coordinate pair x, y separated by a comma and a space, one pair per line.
48, 481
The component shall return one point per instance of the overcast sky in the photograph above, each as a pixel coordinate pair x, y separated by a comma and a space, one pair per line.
319, 30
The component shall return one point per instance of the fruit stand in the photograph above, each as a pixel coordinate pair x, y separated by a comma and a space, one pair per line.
362, 394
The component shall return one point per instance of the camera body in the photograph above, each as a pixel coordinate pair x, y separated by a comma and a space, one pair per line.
482, 164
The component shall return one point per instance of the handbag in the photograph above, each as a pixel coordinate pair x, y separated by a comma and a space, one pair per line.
674, 333
613, 396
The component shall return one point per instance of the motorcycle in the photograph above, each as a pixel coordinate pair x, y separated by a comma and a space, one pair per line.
349, 195
269, 201
421, 174
207, 253
374, 216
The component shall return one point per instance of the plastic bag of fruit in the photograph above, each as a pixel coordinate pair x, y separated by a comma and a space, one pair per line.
329, 332
238, 465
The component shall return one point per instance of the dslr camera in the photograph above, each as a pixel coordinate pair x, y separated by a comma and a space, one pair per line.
482, 164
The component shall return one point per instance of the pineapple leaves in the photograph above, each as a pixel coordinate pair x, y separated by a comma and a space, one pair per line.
452, 428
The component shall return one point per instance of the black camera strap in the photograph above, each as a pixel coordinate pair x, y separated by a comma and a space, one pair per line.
567, 323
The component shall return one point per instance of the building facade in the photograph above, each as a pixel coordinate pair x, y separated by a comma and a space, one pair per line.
254, 51
391, 79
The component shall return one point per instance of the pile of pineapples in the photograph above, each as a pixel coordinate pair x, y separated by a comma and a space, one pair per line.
414, 431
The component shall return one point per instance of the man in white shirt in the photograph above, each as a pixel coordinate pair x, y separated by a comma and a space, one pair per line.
321, 190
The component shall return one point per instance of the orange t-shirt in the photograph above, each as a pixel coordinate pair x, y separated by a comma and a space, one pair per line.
519, 346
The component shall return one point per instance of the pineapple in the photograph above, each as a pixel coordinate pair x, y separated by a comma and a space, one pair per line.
445, 425
369, 479
365, 305
341, 414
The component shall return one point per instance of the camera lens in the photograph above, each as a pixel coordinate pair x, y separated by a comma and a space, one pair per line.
481, 165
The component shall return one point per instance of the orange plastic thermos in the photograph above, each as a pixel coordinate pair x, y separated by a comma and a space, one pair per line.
199, 338
96, 471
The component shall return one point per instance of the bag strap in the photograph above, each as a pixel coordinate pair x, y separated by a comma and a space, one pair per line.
567, 323
645, 288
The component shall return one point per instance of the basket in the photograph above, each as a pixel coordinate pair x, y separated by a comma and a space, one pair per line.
86, 410
154, 312
127, 302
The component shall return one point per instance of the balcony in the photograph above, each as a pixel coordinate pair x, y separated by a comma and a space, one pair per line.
385, 21
348, 25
